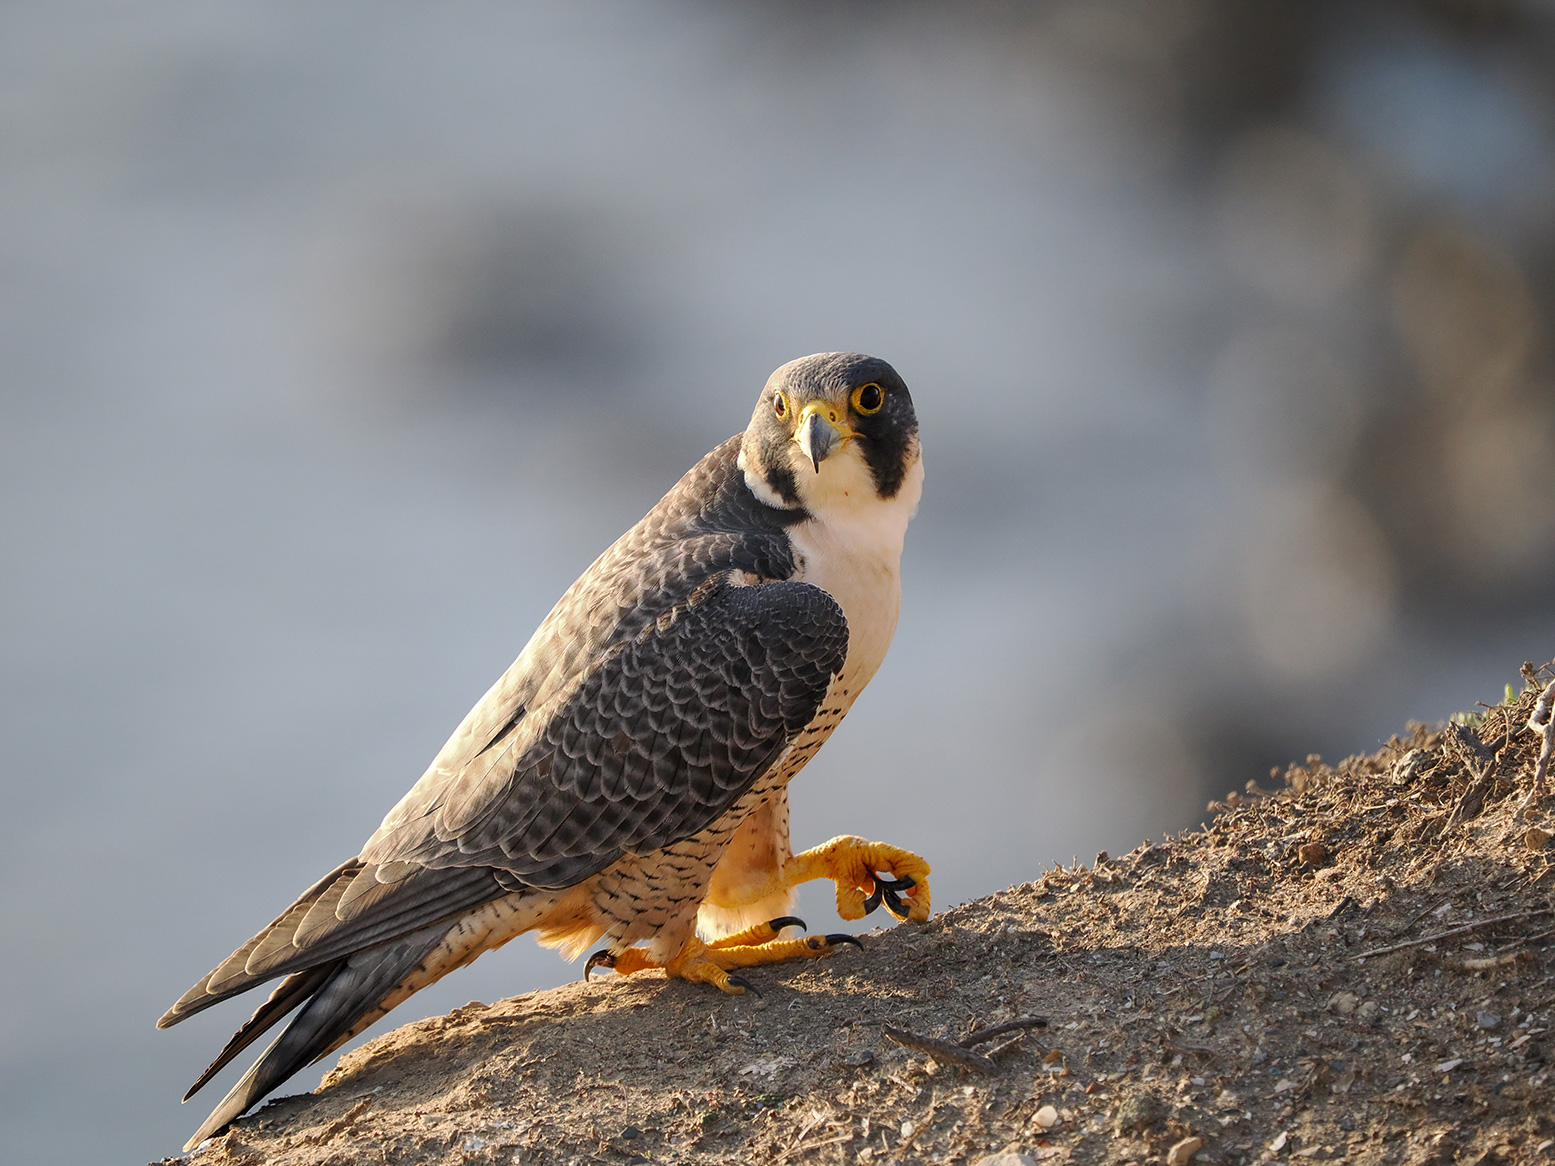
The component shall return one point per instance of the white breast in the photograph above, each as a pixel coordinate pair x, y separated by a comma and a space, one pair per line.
853, 550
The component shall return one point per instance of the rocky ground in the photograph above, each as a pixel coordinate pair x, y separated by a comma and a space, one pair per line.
1357, 965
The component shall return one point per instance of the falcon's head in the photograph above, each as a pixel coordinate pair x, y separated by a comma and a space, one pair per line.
832, 430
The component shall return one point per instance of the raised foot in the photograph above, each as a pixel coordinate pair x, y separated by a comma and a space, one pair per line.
868, 874
702, 963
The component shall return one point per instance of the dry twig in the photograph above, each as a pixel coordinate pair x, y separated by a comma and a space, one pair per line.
987, 1034
1003, 1047
1507, 959
805, 1147
1531, 913
960, 1053
941, 1050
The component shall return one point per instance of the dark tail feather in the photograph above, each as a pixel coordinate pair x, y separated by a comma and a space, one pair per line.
418, 900
352, 988
289, 993
200, 997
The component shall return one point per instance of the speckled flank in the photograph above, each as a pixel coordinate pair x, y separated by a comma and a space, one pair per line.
656, 897
472, 934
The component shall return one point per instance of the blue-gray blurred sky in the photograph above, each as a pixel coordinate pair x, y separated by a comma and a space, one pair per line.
336, 339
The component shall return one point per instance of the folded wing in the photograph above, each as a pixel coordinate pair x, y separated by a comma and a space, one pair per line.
650, 746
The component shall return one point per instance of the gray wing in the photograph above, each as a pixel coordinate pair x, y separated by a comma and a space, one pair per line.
651, 747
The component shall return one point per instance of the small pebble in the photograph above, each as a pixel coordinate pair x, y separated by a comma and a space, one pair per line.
859, 1059
1312, 853
1047, 1117
1182, 1153
1007, 1158
1409, 766
1136, 1113
1343, 1003
1537, 838
1487, 1019
1279, 1143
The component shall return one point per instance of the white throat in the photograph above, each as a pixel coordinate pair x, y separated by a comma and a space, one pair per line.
851, 547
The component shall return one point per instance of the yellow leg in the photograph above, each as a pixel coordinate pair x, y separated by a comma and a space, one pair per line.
702, 964
758, 934
855, 864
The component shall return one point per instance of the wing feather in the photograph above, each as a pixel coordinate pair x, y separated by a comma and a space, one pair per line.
744, 671
671, 727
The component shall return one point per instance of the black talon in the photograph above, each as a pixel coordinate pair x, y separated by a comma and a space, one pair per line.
841, 938
874, 900
604, 958
885, 889
787, 921
742, 982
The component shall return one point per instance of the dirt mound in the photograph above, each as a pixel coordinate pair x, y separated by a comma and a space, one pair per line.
1356, 966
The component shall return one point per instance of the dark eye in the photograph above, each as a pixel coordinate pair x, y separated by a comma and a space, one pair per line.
780, 405
868, 398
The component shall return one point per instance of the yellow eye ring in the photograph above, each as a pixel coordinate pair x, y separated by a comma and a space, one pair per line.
780, 405
868, 399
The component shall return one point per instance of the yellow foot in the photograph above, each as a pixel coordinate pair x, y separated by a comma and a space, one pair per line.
856, 866
702, 964
760, 933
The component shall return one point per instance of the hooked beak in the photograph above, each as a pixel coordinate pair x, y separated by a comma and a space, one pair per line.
821, 430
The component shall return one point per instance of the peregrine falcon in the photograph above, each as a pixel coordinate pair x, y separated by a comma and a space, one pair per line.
625, 780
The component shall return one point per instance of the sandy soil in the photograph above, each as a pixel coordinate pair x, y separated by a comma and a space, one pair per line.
1356, 966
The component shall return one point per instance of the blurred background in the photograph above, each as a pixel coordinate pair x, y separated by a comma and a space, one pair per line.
337, 339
